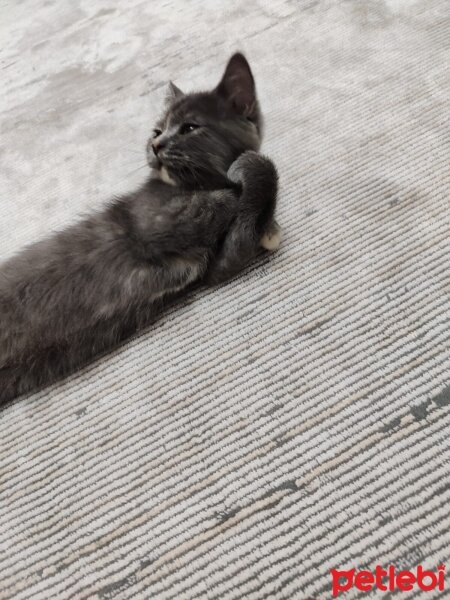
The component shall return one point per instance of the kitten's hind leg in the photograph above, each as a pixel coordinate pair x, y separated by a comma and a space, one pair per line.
238, 248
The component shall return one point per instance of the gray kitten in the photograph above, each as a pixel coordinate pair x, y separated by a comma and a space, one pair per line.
207, 207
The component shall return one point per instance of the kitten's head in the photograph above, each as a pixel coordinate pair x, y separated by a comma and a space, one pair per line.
201, 134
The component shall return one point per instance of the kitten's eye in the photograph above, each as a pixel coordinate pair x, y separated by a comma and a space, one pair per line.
156, 133
188, 127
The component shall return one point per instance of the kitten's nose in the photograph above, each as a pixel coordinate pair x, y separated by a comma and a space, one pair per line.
157, 145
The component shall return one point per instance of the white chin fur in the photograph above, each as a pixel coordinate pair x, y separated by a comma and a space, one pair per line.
272, 239
163, 175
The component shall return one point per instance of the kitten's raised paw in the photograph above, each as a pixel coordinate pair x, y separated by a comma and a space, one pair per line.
252, 167
271, 240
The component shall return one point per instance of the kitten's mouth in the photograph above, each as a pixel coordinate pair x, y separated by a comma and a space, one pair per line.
161, 163
160, 171
154, 162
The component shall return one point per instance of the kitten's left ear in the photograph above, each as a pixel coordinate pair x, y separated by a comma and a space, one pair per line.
237, 86
173, 93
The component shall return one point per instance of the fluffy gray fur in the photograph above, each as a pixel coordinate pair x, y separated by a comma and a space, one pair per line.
201, 216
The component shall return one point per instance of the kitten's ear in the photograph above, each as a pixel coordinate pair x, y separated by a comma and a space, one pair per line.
173, 93
237, 86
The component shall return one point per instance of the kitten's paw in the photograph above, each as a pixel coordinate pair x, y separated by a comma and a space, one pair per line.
271, 240
252, 165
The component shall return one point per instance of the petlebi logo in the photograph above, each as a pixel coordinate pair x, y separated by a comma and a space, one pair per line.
388, 580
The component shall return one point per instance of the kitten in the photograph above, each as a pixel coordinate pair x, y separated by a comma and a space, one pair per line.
207, 206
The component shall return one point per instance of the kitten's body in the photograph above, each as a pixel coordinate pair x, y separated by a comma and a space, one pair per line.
77, 294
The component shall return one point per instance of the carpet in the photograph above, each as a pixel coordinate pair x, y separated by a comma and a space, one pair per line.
295, 420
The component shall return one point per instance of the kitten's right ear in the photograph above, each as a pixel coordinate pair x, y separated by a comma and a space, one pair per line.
237, 86
173, 93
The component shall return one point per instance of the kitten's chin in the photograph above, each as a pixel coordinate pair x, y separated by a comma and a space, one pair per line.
166, 177
160, 172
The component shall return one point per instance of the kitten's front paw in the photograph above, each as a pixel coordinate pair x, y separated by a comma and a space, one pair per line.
271, 240
251, 165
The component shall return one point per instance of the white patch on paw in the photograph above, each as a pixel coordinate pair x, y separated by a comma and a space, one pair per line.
271, 241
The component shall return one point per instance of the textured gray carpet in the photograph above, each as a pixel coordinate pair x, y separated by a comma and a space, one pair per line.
297, 419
